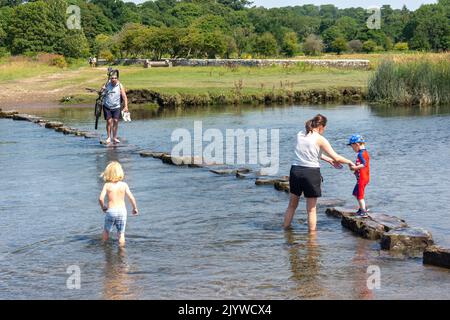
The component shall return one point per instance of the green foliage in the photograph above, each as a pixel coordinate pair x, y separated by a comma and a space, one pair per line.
232, 25
369, 46
290, 46
339, 45
401, 46
265, 45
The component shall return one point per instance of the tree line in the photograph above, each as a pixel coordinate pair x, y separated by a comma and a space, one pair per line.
214, 28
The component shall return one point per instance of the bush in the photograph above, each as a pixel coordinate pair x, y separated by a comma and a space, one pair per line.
369, 46
107, 55
401, 46
313, 45
355, 45
4, 52
58, 61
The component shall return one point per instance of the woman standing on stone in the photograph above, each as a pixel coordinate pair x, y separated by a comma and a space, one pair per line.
305, 177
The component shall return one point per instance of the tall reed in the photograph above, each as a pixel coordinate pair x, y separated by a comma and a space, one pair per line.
422, 82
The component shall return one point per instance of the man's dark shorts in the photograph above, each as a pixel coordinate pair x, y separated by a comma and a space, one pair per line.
111, 113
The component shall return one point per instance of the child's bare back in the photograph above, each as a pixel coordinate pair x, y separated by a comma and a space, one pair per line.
116, 190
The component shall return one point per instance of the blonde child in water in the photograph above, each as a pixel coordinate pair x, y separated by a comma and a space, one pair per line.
116, 212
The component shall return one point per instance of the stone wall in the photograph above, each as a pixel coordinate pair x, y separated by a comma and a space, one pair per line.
337, 63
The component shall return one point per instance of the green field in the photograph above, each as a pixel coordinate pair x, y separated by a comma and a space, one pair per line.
27, 80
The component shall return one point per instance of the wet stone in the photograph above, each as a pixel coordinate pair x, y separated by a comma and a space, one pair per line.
264, 182
338, 212
90, 135
389, 222
364, 227
437, 256
282, 186
53, 124
151, 154
230, 171
406, 239
24, 117
8, 114
241, 175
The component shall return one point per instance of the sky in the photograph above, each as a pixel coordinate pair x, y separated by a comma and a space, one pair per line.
396, 4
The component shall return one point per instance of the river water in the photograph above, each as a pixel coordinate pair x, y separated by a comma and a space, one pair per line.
203, 236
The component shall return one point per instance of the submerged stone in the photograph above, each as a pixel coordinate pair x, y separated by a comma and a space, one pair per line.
230, 171
152, 154
437, 256
329, 202
406, 239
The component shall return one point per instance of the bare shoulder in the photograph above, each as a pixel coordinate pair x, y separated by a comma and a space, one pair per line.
123, 185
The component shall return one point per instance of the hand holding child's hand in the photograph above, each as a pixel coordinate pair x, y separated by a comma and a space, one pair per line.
337, 165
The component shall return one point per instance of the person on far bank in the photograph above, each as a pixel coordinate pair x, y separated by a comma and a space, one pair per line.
114, 93
305, 177
361, 170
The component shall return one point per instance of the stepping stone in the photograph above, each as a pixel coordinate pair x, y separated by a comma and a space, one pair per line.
437, 256
24, 117
406, 239
53, 124
282, 186
8, 114
364, 227
264, 182
152, 154
230, 171
338, 212
389, 222
241, 175
90, 135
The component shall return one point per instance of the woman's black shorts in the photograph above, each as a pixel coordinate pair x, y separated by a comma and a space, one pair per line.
307, 181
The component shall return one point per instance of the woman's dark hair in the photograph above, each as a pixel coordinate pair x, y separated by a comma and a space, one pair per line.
315, 122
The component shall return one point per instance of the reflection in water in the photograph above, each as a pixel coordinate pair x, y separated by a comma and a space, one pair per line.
390, 111
305, 264
360, 264
116, 283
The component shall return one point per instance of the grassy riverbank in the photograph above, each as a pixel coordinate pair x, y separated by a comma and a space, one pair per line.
29, 81
411, 83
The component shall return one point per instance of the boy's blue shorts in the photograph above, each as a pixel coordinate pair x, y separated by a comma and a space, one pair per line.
116, 217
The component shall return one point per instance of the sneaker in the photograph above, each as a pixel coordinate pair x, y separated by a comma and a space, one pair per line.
361, 214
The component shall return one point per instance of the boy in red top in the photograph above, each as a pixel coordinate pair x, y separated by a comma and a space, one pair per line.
362, 171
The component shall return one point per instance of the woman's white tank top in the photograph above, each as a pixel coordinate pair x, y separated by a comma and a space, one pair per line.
307, 152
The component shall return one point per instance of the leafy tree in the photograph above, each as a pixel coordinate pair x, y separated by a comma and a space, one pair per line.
313, 45
339, 45
369, 46
265, 45
290, 46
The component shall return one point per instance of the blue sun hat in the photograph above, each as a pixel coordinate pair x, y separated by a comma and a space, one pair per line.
356, 138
